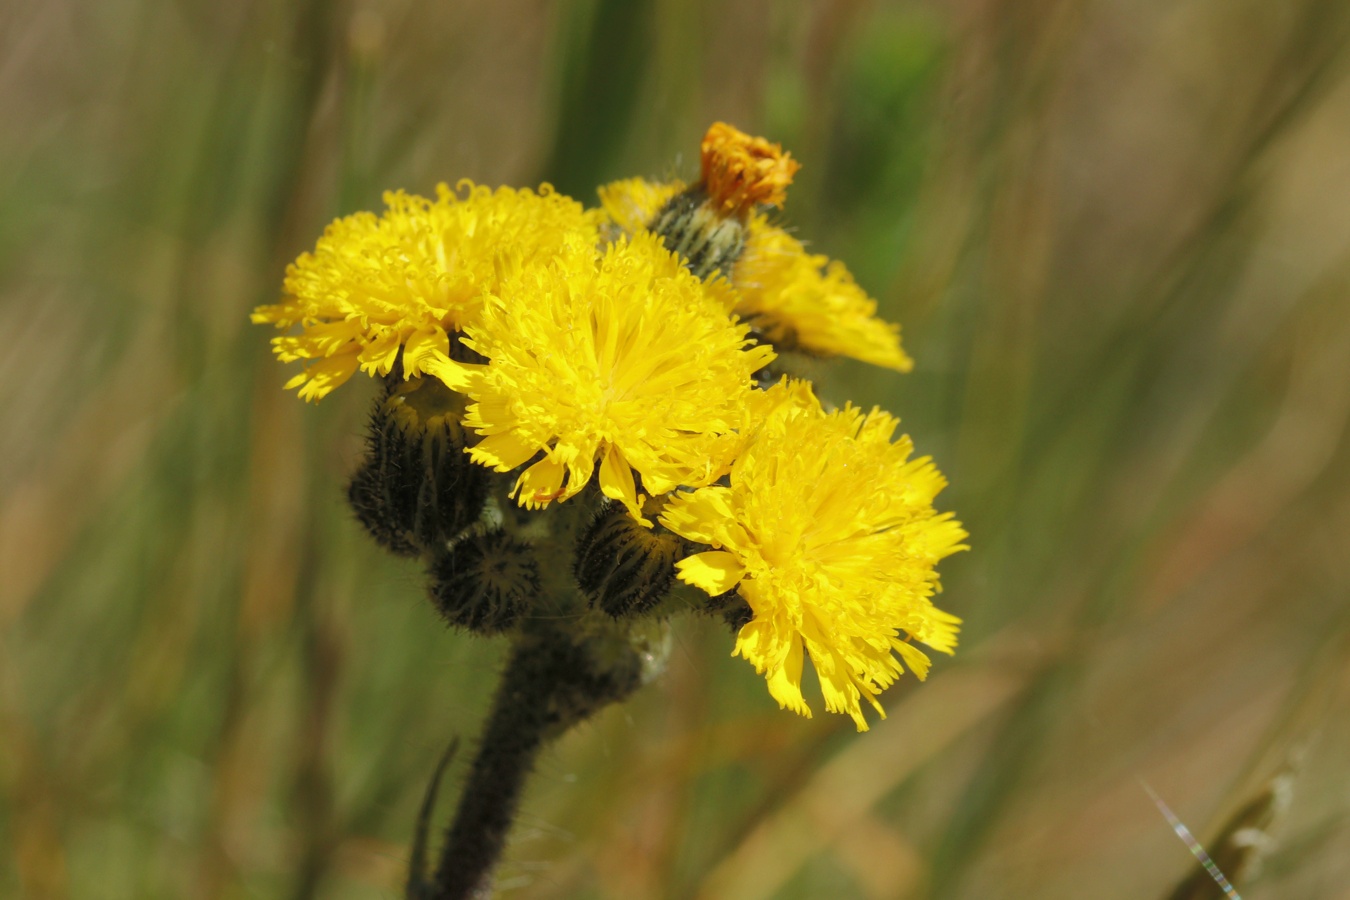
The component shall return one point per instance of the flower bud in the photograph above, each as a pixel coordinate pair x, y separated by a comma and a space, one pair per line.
707, 223
417, 488
624, 568
484, 582
382, 505
732, 609
690, 225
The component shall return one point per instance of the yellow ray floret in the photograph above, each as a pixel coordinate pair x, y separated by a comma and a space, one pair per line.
405, 279
623, 360
795, 298
827, 529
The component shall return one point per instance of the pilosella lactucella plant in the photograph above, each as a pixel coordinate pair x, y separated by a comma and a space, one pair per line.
584, 429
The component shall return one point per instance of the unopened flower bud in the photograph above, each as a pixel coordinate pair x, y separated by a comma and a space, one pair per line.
624, 568
707, 223
484, 582
732, 609
692, 226
417, 488
382, 507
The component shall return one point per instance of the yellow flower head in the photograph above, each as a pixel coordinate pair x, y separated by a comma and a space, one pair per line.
626, 360
404, 280
632, 203
741, 172
809, 301
794, 298
827, 529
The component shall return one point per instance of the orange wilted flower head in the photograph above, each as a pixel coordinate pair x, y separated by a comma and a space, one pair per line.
741, 171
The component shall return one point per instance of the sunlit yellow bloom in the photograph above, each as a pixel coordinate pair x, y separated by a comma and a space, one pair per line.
828, 531
405, 279
625, 360
793, 297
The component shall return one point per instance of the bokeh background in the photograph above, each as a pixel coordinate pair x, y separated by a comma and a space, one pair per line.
1117, 234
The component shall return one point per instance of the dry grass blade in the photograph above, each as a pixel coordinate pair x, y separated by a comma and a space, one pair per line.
1242, 843
842, 792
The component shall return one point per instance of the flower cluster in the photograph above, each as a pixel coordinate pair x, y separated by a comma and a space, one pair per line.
632, 356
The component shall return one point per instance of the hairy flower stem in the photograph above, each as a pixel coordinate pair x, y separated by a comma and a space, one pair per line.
514, 734
554, 680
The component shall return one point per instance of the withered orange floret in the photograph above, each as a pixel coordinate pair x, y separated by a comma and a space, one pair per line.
741, 172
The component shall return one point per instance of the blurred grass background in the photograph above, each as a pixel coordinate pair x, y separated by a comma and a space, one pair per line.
1117, 235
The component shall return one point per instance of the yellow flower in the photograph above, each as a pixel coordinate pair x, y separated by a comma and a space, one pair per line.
807, 300
625, 360
404, 280
828, 531
793, 297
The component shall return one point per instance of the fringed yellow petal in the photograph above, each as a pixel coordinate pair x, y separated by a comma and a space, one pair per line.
703, 516
540, 484
715, 571
616, 483
455, 375
938, 629
761, 644
785, 679
322, 377
502, 452
427, 344
580, 468
840, 692
916, 659
378, 356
